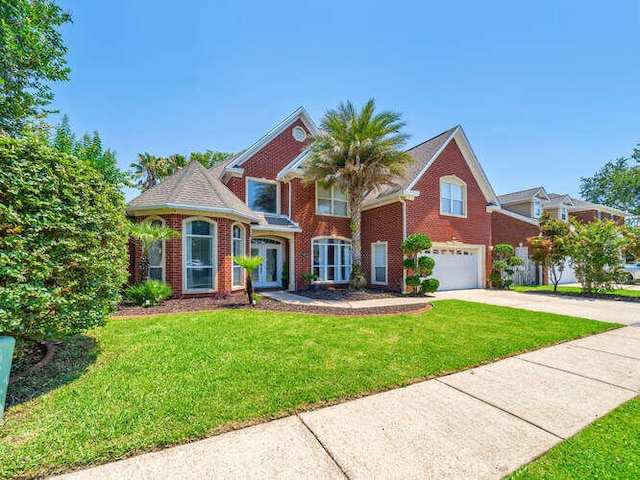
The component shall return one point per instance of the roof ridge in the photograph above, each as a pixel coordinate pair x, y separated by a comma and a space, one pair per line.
433, 138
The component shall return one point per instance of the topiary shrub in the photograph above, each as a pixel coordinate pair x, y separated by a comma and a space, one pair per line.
504, 262
430, 285
63, 242
419, 267
149, 293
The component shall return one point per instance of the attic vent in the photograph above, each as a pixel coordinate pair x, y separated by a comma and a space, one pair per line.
299, 134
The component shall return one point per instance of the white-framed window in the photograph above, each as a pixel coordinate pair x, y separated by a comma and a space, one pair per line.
156, 255
453, 196
199, 254
379, 263
564, 213
237, 248
332, 259
331, 200
262, 195
537, 208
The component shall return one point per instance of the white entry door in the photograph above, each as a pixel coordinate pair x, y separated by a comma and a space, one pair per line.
269, 273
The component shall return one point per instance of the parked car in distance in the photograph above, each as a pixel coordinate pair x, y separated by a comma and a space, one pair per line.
631, 272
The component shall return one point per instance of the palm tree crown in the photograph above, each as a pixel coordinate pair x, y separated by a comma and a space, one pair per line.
358, 151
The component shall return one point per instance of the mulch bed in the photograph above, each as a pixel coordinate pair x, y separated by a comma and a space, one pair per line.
267, 304
598, 296
329, 293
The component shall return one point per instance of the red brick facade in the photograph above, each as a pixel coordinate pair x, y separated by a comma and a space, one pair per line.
506, 229
587, 216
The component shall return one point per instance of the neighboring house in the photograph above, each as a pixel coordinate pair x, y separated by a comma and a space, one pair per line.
257, 203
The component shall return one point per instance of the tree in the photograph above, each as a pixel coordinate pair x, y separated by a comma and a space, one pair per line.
31, 55
504, 262
595, 250
418, 266
209, 158
148, 170
632, 247
148, 234
549, 249
89, 148
357, 151
616, 184
63, 242
249, 264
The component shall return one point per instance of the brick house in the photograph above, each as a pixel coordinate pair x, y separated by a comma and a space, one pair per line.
257, 203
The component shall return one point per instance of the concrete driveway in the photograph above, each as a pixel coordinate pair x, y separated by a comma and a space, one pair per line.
604, 310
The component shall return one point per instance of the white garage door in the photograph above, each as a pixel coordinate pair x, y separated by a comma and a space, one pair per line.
456, 268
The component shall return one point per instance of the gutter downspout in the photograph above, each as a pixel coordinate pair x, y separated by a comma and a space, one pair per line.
404, 236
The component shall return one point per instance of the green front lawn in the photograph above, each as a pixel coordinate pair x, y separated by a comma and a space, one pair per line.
549, 288
608, 448
156, 381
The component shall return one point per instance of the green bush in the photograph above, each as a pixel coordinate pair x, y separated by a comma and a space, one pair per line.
63, 242
416, 242
426, 264
409, 264
430, 285
151, 291
413, 281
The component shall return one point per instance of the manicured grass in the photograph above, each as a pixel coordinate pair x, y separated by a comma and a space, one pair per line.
549, 288
162, 380
608, 448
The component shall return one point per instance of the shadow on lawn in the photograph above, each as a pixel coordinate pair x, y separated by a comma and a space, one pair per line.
70, 360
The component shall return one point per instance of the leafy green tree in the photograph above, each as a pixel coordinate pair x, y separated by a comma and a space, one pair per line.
89, 148
249, 264
504, 262
595, 250
616, 184
209, 158
418, 266
31, 55
148, 170
358, 151
63, 242
632, 248
149, 234
549, 249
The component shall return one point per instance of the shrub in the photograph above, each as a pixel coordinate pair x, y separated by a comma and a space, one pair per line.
504, 260
63, 239
413, 281
149, 293
430, 285
418, 266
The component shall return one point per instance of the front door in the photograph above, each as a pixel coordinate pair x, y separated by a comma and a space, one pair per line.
269, 273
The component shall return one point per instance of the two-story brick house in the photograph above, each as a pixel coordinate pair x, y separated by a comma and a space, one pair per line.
257, 203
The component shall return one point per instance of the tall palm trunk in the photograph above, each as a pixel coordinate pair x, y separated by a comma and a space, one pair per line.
357, 280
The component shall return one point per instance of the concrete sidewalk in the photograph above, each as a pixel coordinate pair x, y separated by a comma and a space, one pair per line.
604, 310
292, 298
480, 423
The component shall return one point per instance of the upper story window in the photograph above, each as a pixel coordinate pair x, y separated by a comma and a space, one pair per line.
564, 213
453, 196
262, 196
537, 208
331, 200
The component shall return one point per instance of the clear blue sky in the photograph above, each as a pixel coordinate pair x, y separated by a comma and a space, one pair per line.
546, 91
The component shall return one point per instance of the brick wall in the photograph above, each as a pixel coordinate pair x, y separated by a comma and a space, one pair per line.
383, 224
587, 216
506, 229
423, 213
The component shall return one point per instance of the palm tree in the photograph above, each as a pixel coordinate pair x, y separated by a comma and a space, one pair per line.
358, 151
148, 170
249, 264
148, 234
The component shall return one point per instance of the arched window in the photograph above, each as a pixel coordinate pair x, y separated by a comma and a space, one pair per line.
332, 259
199, 255
237, 248
156, 256
453, 196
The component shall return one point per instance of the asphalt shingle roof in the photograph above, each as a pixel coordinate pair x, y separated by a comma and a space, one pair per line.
193, 185
518, 196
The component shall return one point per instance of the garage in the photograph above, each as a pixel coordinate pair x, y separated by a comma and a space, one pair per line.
568, 275
457, 267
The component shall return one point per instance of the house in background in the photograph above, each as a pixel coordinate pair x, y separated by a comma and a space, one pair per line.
257, 203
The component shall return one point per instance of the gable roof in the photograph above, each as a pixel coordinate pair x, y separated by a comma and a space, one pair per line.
300, 113
581, 205
556, 199
192, 188
523, 195
218, 169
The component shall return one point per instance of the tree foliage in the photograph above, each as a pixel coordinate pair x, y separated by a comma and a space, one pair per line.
63, 237
148, 234
595, 249
89, 148
31, 55
550, 247
249, 264
418, 266
209, 158
616, 184
503, 265
358, 151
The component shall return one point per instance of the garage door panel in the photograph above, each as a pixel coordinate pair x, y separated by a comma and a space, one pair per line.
455, 268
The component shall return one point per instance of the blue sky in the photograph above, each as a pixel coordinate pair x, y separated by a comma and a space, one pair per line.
546, 91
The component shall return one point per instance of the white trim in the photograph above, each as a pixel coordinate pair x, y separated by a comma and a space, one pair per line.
398, 197
262, 180
293, 170
244, 252
403, 287
454, 180
214, 247
527, 199
537, 201
386, 262
300, 113
436, 155
276, 228
482, 255
601, 208
509, 213
175, 207
279, 247
150, 220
